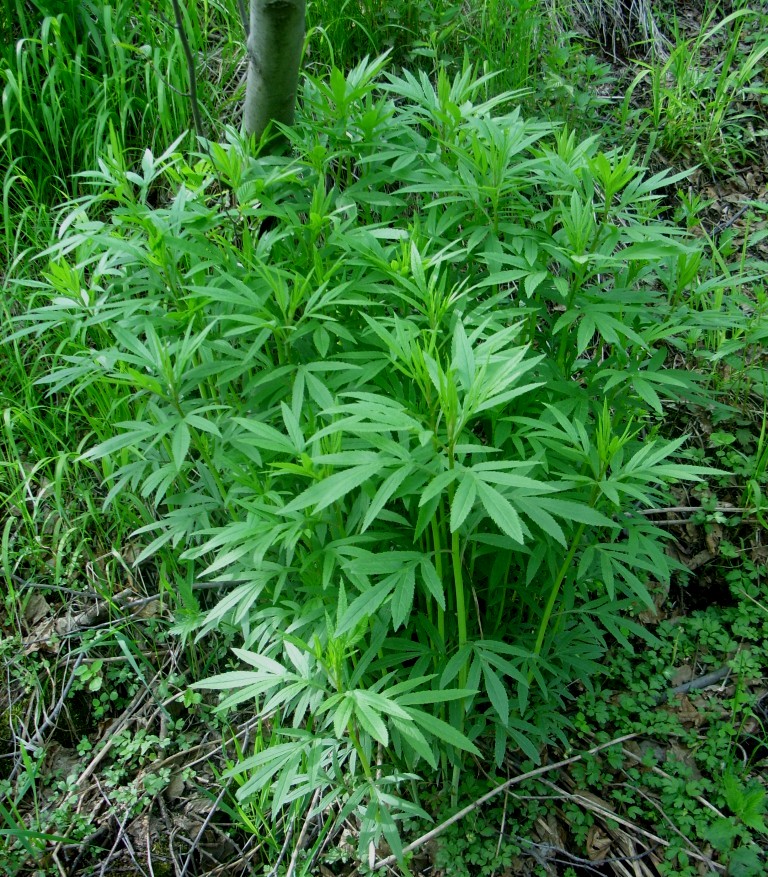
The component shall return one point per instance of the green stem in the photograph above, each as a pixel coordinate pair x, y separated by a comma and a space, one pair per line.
360, 751
439, 570
553, 594
461, 612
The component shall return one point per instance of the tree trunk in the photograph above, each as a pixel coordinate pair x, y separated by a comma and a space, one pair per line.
275, 42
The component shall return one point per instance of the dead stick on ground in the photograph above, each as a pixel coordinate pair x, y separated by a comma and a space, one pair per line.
295, 854
439, 829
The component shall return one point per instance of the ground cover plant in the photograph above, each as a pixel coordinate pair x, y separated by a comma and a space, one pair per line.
372, 436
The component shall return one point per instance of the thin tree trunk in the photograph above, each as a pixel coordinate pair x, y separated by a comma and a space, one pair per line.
275, 41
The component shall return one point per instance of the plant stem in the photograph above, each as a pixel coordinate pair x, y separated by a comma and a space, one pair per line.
439, 570
461, 612
360, 751
189, 57
553, 594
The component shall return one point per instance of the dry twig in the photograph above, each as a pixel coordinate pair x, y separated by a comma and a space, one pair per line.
521, 778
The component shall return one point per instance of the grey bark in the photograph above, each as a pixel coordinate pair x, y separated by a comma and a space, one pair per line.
275, 41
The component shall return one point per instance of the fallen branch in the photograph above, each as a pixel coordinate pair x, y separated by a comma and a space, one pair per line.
521, 778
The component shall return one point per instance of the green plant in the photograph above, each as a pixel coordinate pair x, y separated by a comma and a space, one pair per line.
694, 108
730, 835
404, 402
82, 80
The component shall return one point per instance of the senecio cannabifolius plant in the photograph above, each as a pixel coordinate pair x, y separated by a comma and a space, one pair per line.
412, 422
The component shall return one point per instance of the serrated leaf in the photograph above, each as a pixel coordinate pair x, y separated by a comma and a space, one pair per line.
497, 694
530, 507
455, 664
533, 281
417, 741
463, 359
402, 598
266, 437
722, 833
423, 697
384, 494
646, 392
365, 605
371, 721
753, 805
442, 731
575, 511
584, 334
432, 581
135, 434
500, 511
332, 488
180, 445
341, 717
437, 485
292, 427
463, 500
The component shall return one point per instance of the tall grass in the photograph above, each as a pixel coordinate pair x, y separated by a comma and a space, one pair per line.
81, 81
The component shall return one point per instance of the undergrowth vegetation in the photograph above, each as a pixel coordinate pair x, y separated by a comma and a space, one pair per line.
370, 435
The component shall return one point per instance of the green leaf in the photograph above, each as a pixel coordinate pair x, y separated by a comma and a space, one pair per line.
646, 392
365, 605
531, 508
442, 731
500, 511
584, 334
722, 833
384, 494
455, 664
496, 694
136, 434
417, 741
463, 359
292, 427
180, 445
266, 437
432, 581
432, 696
575, 511
437, 485
533, 281
463, 500
402, 599
341, 717
333, 488
370, 720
